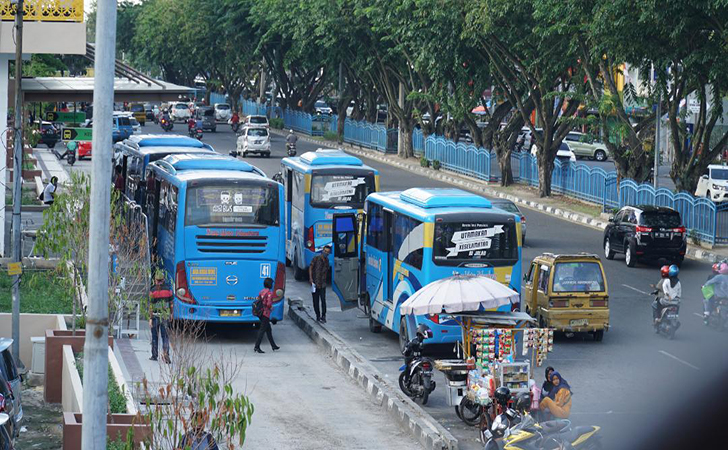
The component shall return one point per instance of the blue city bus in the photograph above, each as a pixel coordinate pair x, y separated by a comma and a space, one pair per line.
319, 184
413, 238
137, 152
218, 233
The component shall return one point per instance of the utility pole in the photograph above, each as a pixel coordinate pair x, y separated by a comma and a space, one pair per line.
17, 174
261, 97
656, 175
96, 354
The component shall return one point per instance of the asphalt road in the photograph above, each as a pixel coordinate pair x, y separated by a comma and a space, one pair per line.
628, 384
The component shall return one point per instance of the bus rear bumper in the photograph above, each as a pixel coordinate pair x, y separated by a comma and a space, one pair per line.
223, 314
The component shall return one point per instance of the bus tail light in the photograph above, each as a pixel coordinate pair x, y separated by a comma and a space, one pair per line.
180, 283
280, 283
310, 243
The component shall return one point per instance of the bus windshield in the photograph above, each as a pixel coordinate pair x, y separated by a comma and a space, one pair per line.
457, 242
231, 205
341, 190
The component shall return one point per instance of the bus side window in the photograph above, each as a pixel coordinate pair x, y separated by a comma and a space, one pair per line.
299, 191
172, 205
149, 194
163, 209
288, 182
376, 234
408, 240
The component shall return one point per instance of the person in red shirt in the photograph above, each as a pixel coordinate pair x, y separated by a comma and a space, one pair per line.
119, 180
268, 297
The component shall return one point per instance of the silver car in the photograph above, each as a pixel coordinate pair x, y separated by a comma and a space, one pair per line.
509, 206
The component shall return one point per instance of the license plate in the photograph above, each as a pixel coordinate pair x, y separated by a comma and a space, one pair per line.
578, 322
230, 313
672, 316
661, 235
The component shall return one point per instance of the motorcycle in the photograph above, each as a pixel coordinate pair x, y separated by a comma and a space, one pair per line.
167, 124
234, 125
195, 132
718, 317
416, 377
291, 149
668, 322
511, 431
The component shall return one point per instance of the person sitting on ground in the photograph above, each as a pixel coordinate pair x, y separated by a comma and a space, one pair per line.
198, 438
558, 401
49, 193
547, 385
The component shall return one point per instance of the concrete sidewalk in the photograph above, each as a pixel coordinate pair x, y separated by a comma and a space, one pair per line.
50, 165
567, 208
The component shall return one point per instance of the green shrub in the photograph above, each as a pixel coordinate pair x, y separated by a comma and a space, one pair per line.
331, 136
117, 401
436, 164
278, 124
33, 136
424, 162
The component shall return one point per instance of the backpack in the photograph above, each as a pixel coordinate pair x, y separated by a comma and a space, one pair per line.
258, 307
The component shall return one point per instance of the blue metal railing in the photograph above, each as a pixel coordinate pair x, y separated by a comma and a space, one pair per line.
365, 134
465, 159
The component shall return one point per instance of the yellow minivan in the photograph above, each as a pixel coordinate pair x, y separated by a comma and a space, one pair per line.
568, 293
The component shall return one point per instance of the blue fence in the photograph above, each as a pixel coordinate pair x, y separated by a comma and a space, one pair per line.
465, 159
365, 134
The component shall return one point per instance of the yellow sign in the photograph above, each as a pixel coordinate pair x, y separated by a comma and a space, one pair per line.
15, 268
203, 276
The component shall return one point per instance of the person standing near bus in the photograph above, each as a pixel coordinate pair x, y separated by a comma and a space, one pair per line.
267, 297
318, 274
160, 299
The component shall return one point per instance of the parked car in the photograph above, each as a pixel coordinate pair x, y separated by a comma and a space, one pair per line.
524, 140
321, 107
564, 154
6, 441
646, 232
135, 125
256, 121
149, 111
121, 128
8, 406
509, 206
10, 374
180, 112
714, 184
254, 140
223, 113
139, 113
207, 115
49, 133
584, 146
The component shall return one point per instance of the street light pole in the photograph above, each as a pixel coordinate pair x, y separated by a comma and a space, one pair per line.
96, 356
17, 174
656, 174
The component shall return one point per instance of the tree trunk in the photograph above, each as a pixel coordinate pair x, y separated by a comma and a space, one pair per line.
340, 122
504, 161
405, 127
546, 169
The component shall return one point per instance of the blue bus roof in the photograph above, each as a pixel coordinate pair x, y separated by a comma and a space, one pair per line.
325, 159
185, 161
425, 203
165, 140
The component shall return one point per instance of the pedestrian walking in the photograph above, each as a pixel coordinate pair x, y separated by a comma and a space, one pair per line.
119, 179
49, 192
160, 301
318, 274
267, 297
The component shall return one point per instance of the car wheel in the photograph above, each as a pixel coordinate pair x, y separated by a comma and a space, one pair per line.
600, 155
298, 273
630, 255
679, 260
608, 252
51, 144
245, 154
599, 335
214, 130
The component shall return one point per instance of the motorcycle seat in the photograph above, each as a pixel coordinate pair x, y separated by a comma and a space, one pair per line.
574, 433
554, 426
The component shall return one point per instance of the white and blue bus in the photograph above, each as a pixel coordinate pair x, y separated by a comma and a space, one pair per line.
217, 229
317, 185
413, 238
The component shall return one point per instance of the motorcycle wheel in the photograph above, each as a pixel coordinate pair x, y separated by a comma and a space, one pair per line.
417, 379
469, 412
71, 159
671, 333
403, 384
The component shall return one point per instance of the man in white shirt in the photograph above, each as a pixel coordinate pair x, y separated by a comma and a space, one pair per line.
49, 193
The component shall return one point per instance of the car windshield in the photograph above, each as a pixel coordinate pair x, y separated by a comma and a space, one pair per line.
578, 277
660, 219
181, 106
719, 174
257, 132
223, 107
137, 108
510, 207
124, 122
231, 205
133, 122
321, 104
257, 119
335, 190
474, 241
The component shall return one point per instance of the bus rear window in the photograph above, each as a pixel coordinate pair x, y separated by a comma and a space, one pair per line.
457, 242
341, 190
231, 205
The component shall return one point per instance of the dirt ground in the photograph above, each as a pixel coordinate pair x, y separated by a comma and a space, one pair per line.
43, 423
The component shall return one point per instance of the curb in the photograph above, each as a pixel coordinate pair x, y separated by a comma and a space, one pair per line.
404, 412
693, 252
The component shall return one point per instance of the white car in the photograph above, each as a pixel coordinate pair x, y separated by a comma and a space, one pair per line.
254, 140
256, 121
180, 112
322, 108
564, 154
714, 184
223, 113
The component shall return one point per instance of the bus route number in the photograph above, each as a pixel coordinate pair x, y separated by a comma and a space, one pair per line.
265, 270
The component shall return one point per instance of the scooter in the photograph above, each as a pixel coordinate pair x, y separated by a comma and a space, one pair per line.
718, 317
167, 124
195, 132
291, 149
416, 377
234, 125
668, 322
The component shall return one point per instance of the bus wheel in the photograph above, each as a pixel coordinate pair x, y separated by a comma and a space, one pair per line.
374, 326
403, 335
298, 273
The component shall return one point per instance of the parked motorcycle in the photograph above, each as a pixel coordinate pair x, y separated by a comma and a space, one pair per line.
718, 317
167, 124
291, 149
416, 377
668, 321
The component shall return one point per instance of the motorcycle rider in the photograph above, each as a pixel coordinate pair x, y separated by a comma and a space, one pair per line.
291, 139
719, 282
656, 309
235, 119
671, 290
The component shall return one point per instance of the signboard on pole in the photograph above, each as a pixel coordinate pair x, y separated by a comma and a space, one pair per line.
66, 117
76, 134
694, 106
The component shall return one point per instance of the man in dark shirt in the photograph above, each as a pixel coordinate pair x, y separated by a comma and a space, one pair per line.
119, 180
318, 274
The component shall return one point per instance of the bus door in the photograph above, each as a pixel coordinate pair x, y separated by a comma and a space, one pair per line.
288, 186
345, 276
389, 271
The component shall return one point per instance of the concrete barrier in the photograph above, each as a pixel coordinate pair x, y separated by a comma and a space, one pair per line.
71, 386
131, 407
31, 325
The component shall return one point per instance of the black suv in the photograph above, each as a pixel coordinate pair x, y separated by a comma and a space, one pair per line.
646, 232
49, 134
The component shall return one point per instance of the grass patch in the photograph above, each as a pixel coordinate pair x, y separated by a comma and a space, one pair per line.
117, 401
41, 292
28, 165
28, 197
331, 136
580, 207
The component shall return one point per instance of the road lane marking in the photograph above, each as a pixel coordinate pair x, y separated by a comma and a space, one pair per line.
699, 315
635, 289
679, 360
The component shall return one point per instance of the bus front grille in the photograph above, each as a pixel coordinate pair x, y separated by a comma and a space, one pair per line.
231, 244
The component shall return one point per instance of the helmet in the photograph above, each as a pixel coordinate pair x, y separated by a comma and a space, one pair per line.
424, 331
502, 395
665, 271
716, 268
723, 269
523, 402
290, 131
674, 270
